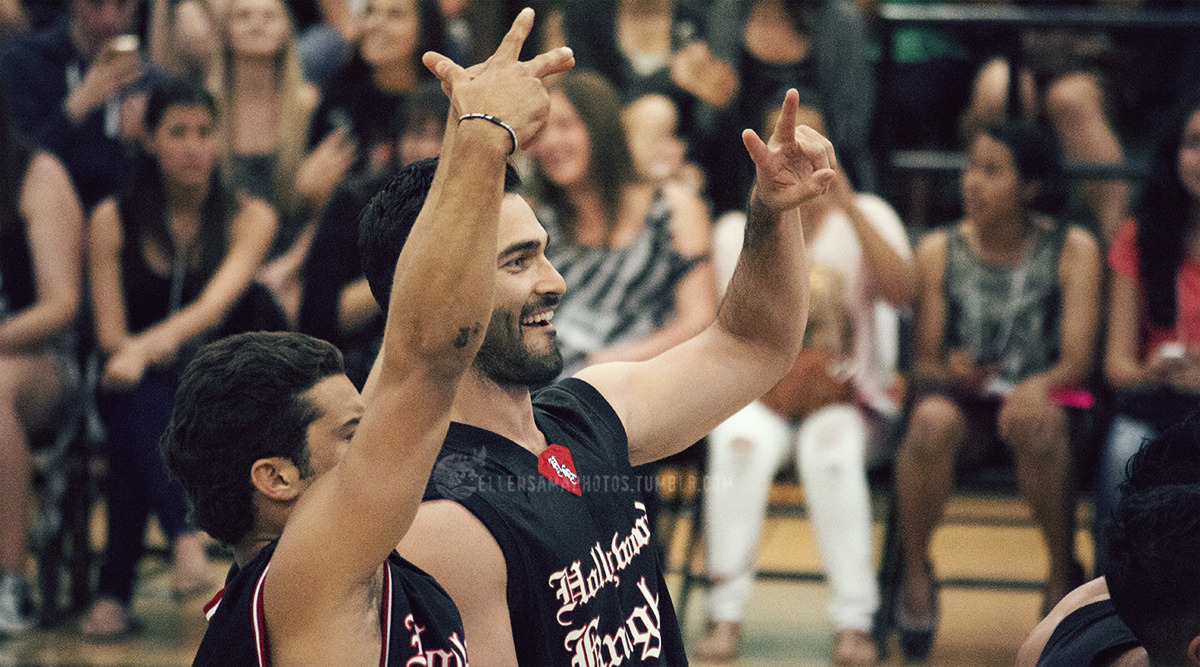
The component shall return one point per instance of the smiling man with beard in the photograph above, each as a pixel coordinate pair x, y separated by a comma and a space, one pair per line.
548, 555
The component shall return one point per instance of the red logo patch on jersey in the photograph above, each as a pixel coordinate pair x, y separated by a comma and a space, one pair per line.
556, 465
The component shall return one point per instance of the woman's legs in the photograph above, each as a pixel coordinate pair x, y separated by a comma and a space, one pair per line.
830, 455
138, 482
924, 482
831, 443
1037, 432
32, 390
743, 454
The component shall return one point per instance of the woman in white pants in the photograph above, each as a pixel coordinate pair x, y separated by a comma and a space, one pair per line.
859, 240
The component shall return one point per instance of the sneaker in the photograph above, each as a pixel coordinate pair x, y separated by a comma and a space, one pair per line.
16, 606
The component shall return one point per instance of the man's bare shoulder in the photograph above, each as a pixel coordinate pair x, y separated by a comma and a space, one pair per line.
443, 528
1092, 591
457, 550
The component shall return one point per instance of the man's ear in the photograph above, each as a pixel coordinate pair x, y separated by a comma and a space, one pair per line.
1193, 652
276, 478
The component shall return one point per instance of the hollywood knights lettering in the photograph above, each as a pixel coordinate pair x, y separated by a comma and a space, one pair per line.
574, 588
639, 638
455, 656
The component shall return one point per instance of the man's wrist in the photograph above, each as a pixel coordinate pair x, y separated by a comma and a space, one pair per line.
496, 122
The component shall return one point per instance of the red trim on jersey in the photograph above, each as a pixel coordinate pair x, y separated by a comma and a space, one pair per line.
210, 607
258, 619
385, 616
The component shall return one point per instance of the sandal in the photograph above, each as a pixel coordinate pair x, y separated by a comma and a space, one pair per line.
916, 637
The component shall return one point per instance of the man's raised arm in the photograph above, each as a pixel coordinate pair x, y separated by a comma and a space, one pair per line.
440, 302
673, 400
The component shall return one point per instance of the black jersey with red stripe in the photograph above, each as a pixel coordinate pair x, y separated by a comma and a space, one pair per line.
584, 582
417, 618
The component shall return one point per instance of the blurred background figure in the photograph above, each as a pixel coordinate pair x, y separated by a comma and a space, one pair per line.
171, 261
1065, 82
635, 44
659, 154
818, 47
336, 303
1006, 320
634, 254
266, 107
1153, 347
77, 89
182, 36
41, 229
836, 404
353, 120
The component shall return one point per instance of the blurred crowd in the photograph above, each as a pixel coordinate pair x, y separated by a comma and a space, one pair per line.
175, 170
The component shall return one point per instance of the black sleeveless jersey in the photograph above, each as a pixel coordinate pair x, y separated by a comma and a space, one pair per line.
584, 583
419, 622
1090, 635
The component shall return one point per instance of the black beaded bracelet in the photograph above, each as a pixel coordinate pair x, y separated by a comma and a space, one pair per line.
512, 134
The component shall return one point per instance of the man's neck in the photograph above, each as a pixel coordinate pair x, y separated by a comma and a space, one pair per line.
248, 548
505, 411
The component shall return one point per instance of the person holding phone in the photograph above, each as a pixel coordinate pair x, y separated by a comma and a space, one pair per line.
1152, 359
356, 112
76, 88
1007, 312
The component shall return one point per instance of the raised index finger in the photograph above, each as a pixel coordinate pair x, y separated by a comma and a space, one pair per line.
510, 46
785, 125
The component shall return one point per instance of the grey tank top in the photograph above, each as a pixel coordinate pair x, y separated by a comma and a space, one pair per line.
1007, 314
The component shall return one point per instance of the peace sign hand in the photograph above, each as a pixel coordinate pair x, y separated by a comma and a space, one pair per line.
794, 165
502, 85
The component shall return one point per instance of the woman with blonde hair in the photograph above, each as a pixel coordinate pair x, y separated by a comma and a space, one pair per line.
266, 105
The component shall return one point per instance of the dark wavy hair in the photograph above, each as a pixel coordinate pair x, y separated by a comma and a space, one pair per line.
143, 203
431, 36
385, 223
1037, 158
610, 165
1163, 211
241, 399
1152, 540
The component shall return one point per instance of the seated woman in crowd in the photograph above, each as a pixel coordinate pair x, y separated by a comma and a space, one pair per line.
1153, 355
1066, 79
634, 254
362, 98
41, 225
171, 261
1006, 317
266, 105
838, 400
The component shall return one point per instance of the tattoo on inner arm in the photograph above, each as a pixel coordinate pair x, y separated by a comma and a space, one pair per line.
465, 334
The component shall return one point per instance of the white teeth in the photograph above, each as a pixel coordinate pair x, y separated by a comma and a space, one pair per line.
541, 318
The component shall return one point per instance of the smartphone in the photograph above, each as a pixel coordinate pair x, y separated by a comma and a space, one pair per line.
1171, 352
124, 44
